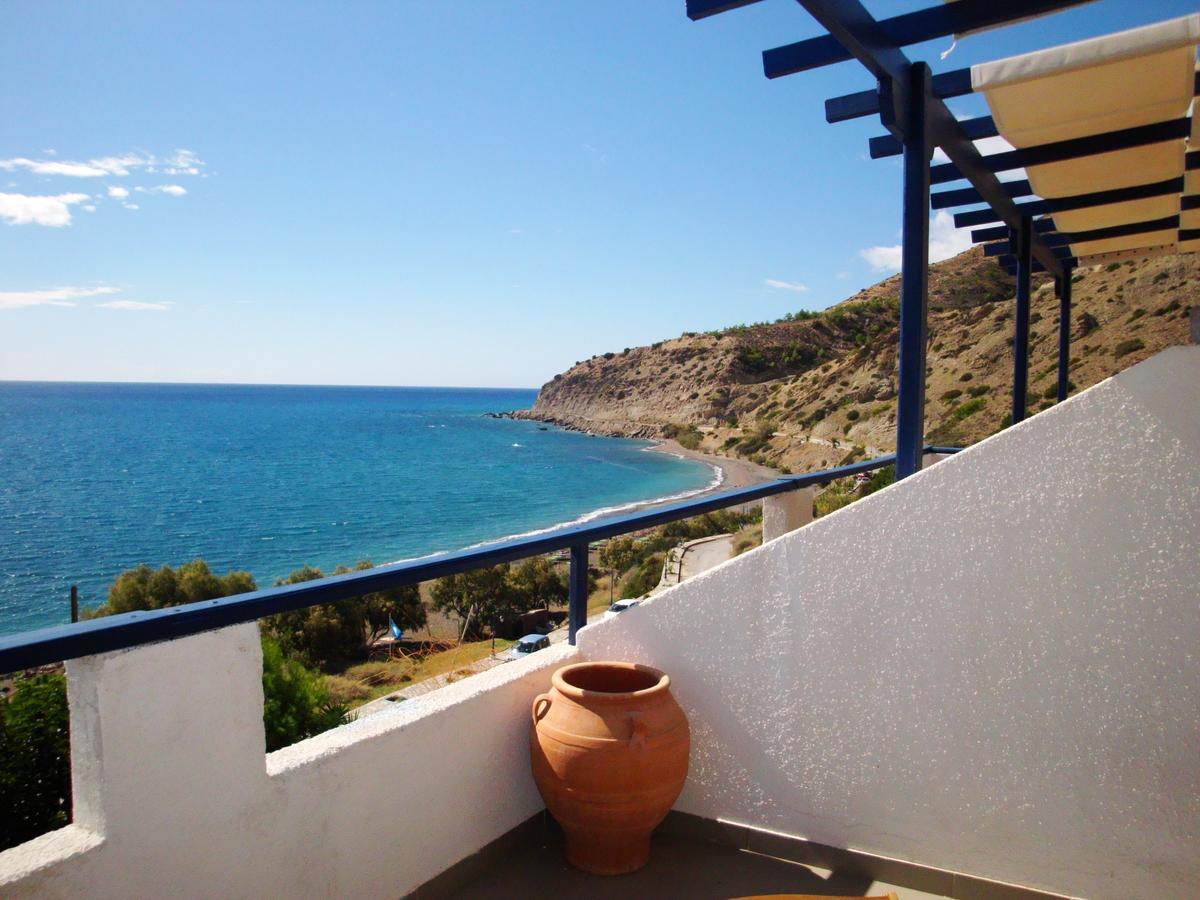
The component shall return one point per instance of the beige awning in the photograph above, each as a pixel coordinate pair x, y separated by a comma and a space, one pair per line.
1138, 77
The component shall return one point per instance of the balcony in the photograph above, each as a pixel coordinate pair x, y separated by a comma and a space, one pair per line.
979, 681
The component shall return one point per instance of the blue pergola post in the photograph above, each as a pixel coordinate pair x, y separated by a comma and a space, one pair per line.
914, 275
1023, 238
577, 586
1063, 284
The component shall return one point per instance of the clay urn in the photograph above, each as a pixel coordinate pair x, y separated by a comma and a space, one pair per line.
610, 755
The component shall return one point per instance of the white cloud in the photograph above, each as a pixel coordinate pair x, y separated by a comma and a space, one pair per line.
52, 297
131, 206
180, 162
69, 296
175, 190
133, 305
945, 241
786, 285
119, 193
53, 211
882, 259
91, 207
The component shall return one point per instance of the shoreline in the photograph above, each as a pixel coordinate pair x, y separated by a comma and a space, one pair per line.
736, 473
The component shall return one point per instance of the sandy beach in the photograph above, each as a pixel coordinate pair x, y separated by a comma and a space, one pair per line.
738, 472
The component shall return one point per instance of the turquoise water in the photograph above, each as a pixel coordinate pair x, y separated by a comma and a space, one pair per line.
96, 478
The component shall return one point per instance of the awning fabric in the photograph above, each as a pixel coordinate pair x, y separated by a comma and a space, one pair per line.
1138, 77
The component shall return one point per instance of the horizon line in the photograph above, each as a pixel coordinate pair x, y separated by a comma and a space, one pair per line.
454, 387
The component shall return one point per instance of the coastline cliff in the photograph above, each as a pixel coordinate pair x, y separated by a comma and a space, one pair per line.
816, 388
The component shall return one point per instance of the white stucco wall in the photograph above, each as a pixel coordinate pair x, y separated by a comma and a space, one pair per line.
991, 667
174, 795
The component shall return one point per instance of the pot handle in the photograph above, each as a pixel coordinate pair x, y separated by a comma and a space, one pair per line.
637, 731
539, 699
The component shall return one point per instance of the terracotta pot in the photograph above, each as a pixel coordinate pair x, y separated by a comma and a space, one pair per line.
610, 755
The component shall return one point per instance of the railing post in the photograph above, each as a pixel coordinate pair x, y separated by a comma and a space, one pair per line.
1063, 286
914, 277
578, 593
1020, 384
787, 512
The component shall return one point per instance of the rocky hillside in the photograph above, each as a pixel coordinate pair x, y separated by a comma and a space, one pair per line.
809, 390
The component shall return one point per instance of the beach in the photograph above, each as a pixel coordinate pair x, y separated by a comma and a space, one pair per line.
737, 473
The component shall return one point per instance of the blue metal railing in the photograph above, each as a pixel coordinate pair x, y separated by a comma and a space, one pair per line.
51, 645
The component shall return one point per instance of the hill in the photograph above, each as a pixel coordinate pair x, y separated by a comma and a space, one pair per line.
809, 390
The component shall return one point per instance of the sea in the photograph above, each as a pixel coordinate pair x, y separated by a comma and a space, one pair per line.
98, 478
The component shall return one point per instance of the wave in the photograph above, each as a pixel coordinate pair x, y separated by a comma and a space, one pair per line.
717, 480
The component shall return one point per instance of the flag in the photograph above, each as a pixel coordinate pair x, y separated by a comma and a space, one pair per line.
397, 631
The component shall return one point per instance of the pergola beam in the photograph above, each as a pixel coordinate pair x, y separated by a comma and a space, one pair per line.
1074, 148
976, 129
970, 196
906, 29
1080, 201
866, 103
1000, 232
702, 9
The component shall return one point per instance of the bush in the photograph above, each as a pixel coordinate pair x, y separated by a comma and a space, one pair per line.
965, 376
1126, 347
1136, 314
35, 759
969, 408
752, 360
950, 395
296, 700
852, 415
687, 435
644, 578
979, 390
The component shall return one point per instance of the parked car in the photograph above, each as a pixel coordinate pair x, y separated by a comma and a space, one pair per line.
531, 643
619, 607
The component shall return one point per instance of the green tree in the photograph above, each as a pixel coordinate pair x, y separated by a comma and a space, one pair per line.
35, 759
536, 582
403, 604
320, 634
617, 555
476, 598
331, 632
143, 588
644, 578
296, 701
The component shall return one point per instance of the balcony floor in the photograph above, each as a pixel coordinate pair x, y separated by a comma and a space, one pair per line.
678, 868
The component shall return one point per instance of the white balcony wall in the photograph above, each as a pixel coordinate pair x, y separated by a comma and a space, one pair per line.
174, 795
990, 667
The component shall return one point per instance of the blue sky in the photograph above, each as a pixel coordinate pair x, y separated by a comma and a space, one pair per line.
435, 193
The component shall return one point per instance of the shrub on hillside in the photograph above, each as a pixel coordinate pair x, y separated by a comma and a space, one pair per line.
963, 410
686, 435
1126, 347
644, 578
